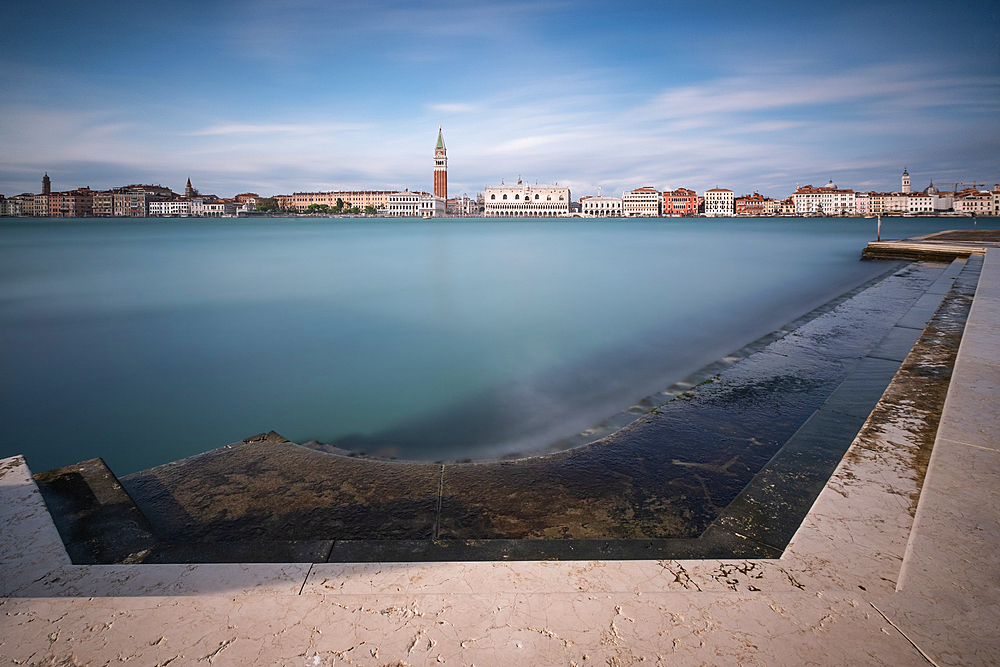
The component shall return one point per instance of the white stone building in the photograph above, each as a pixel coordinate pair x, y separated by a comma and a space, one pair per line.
920, 203
408, 204
601, 207
825, 200
176, 207
719, 202
974, 203
219, 209
432, 206
642, 202
526, 201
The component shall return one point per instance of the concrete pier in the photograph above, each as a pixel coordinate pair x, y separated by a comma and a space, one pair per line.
895, 562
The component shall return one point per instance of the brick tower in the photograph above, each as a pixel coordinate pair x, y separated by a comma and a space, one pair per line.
46, 185
440, 168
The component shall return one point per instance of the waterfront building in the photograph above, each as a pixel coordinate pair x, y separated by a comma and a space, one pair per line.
377, 199
128, 203
533, 201
772, 206
402, 204
824, 200
412, 204
973, 202
40, 206
463, 207
174, 207
719, 202
432, 206
642, 202
247, 201
440, 167
77, 203
996, 199
219, 208
679, 202
10, 208
19, 206
895, 202
786, 206
862, 203
104, 206
919, 202
600, 207
749, 205
906, 183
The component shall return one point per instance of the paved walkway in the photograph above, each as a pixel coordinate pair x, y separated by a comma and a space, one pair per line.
885, 570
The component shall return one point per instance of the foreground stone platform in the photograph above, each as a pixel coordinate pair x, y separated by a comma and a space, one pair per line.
946, 244
892, 565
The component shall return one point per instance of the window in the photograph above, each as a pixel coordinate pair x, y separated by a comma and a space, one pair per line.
517, 196
560, 198
493, 196
536, 196
505, 196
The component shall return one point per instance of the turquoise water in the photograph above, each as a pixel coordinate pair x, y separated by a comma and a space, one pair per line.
146, 341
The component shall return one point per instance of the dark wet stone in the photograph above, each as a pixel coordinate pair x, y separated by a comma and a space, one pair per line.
896, 344
771, 507
96, 518
267, 488
862, 389
301, 551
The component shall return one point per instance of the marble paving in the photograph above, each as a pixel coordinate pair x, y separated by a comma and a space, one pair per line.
896, 563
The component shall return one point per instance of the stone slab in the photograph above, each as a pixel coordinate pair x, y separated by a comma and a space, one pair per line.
862, 389
896, 344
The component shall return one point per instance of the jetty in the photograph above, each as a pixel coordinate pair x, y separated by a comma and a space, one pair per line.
848, 513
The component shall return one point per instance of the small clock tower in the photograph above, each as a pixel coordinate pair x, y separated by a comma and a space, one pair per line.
440, 167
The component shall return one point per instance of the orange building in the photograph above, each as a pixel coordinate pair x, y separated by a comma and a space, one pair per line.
77, 203
750, 204
680, 202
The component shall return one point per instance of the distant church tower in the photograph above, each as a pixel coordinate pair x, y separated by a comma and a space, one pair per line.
440, 168
46, 185
906, 182
188, 190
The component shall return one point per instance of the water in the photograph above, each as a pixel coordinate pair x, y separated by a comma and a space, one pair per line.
147, 341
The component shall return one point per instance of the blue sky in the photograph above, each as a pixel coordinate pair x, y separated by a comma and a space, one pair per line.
273, 96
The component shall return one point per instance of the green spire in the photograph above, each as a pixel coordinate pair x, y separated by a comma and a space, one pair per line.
440, 143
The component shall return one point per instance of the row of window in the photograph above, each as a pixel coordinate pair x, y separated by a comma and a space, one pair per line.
547, 198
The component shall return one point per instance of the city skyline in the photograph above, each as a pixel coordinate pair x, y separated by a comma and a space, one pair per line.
276, 97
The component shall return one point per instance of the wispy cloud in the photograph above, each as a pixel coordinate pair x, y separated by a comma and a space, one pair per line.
278, 128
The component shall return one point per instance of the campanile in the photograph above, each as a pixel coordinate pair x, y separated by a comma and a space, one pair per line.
440, 168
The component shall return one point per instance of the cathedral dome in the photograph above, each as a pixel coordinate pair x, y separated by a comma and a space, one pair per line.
930, 189
831, 185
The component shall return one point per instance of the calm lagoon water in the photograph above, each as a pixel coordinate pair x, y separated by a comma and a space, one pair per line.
147, 341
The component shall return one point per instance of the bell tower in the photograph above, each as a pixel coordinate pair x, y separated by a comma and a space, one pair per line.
46, 185
906, 182
440, 167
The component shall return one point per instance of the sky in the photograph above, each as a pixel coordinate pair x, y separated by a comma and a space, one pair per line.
303, 95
